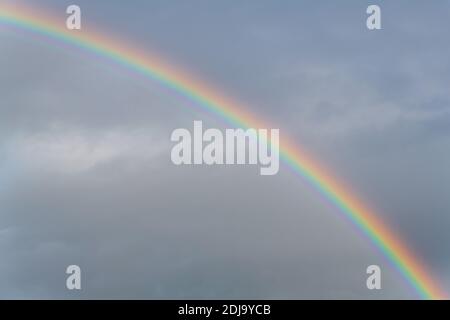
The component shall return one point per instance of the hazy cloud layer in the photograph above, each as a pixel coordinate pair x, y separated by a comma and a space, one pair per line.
85, 152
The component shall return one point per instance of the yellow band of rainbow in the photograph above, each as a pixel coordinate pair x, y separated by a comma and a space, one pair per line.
409, 266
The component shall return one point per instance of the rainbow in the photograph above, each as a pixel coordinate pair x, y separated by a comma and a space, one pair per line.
402, 258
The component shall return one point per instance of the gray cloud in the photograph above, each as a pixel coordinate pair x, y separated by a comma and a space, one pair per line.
88, 180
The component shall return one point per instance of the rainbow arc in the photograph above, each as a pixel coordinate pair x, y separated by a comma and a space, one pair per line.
207, 98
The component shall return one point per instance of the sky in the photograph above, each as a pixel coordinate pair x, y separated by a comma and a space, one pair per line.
85, 169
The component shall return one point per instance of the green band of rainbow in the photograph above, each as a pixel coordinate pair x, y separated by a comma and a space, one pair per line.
153, 67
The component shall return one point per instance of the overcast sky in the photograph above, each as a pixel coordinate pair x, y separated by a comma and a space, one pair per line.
85, 169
